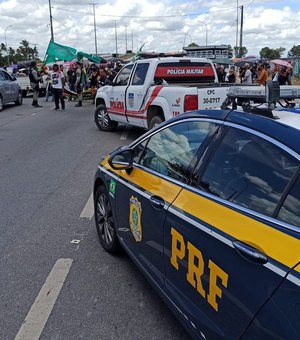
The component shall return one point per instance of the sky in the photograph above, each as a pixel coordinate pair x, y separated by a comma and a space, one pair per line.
162, 26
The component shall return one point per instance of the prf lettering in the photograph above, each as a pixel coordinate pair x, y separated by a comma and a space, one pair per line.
195, 270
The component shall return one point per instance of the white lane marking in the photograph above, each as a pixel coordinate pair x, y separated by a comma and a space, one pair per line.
39, 312
125, 133
88, 210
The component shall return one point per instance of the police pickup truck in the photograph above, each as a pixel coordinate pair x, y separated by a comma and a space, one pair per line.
150, 91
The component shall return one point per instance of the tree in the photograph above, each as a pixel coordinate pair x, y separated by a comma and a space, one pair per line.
23, 52
241, 53
270, 53
294, 51
193, 45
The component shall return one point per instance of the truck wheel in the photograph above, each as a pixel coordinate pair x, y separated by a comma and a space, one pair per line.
19, 100
102, 119
155, 121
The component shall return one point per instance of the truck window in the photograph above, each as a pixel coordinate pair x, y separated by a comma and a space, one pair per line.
123, 76
185, 72
140, 74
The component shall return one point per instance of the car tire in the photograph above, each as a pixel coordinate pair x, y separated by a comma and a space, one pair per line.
102, 120
1, 103
105, 223
156, 120
19, 100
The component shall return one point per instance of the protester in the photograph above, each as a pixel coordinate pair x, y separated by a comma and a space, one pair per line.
71, 77
49, 85
231, 75
289, 73
79, 83
35, 78
58, 83
93, 82
221, 73
262, 75
247, 78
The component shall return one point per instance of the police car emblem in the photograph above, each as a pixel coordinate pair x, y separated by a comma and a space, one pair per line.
131, 99
135, 218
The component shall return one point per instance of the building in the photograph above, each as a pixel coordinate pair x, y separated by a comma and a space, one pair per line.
209, 51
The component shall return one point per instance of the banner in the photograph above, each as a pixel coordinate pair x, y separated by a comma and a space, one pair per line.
57, 52
91, 57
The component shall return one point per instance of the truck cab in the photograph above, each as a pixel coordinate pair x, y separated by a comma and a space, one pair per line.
150, 91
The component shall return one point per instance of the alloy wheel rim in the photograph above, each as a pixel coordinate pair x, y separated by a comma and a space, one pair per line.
103, 118
104, 218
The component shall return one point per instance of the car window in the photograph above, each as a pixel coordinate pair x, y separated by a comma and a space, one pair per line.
290, 210
2, 76
6, 76
171, 150
123, 76
249, 170
140, 74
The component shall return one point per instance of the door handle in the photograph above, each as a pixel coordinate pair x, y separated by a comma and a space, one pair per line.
250, 253
157, 202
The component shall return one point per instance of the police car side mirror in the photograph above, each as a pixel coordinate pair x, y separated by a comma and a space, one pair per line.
121, 159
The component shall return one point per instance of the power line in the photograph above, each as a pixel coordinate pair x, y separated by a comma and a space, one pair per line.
147, 17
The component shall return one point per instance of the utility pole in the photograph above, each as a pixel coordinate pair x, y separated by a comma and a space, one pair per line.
237, 28
94, 4
51, 23
125, 39
241, 32
116, 38
6, 28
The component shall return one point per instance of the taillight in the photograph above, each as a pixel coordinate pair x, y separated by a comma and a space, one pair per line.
190, 102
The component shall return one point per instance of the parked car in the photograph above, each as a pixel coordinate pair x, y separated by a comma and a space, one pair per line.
207, 205
10, 90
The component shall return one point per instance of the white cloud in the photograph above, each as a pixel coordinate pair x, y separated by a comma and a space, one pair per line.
162, 25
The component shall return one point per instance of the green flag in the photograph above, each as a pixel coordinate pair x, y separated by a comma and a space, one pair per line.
59, 52
91, 57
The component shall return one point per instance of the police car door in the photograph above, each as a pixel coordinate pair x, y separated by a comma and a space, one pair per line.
135, 95
117, 105
143, 196
225, 253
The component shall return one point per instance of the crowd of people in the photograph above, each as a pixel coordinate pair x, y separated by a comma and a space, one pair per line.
257, 73
71, 80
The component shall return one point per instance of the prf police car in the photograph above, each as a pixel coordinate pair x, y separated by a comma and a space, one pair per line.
208, 206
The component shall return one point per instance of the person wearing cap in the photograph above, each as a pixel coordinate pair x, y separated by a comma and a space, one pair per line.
58, 83
79, 83
35, 78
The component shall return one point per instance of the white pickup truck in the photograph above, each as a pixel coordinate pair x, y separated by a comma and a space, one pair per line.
150, 91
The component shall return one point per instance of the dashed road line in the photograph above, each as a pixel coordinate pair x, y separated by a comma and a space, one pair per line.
39, 312
88, 210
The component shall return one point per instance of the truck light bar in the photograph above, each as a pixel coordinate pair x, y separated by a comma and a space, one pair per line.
259, 92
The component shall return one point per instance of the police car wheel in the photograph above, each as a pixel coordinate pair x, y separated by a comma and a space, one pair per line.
1, 103
156, 120
105, 222
102, 119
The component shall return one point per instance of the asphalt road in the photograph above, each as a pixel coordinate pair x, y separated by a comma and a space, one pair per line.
48, 160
